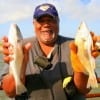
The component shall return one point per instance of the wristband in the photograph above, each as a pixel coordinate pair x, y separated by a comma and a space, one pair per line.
69, 86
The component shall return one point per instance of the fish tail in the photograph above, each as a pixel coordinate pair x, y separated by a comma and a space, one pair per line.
20, 88
92, 81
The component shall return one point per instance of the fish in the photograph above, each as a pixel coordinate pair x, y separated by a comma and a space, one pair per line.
84, 43
15, 37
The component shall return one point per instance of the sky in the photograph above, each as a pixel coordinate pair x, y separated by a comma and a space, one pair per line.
71, 13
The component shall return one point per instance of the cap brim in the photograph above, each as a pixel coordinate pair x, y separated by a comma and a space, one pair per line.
44, 14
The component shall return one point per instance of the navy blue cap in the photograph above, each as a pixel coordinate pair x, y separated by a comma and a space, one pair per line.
45, 9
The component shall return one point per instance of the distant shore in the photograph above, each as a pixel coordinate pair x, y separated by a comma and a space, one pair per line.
1, 49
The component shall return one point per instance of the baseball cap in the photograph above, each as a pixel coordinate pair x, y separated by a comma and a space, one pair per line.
45, 9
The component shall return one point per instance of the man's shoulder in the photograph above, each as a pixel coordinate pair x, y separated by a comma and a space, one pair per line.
63, 39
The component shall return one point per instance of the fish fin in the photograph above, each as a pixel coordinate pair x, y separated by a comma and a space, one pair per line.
92, 62
92, 81
20, 88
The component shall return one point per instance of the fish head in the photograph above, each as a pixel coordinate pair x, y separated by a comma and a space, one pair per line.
83, 37
83, 33
14, 33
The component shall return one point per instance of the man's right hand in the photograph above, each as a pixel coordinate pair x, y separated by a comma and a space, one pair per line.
8, 82
6, 51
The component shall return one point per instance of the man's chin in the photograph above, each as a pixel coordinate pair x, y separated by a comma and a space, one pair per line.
47, 42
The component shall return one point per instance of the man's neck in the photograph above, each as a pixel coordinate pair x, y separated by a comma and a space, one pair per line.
46, 48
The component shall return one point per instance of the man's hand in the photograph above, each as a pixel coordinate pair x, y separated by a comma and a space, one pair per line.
76, 64
8, 81
81, 79
8, 52
95, 53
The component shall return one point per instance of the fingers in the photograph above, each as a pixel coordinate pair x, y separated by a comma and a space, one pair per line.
95, 51
6, 59
5, 39
6, 52
76, 64
5, 45
95, 54
94, 38
98, 38
26, 49
73, 47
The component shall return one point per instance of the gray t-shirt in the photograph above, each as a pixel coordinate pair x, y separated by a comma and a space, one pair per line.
46, 84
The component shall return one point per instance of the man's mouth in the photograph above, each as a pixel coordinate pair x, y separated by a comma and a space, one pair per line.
48, 31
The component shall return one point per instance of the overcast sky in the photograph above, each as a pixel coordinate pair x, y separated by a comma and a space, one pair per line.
71, 13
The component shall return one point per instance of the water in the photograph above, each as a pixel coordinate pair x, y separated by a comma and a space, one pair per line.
4, 97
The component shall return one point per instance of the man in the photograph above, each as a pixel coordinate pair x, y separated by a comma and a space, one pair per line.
48, 63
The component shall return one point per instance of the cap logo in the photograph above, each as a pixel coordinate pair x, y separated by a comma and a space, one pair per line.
44, 7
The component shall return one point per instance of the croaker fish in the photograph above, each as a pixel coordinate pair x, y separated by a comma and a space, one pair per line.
84, 42
15, 38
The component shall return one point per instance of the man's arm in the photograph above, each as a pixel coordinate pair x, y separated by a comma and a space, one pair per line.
80, 81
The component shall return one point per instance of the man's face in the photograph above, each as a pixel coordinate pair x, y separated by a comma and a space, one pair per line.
46, 29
